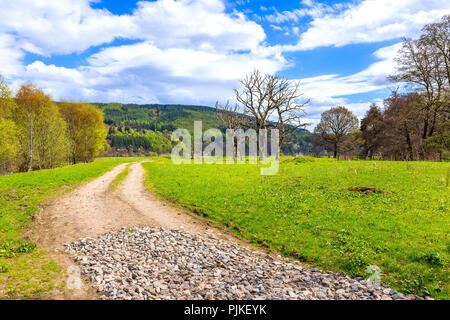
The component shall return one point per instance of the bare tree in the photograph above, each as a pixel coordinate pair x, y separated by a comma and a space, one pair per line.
289, 113
232, 119
424, 63
264, 96
335, 125
438, 36
256, 100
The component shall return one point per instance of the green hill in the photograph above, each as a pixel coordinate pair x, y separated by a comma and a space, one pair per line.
132, 120
159, 117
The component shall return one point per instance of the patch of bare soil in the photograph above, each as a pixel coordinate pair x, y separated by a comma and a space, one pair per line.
368, 190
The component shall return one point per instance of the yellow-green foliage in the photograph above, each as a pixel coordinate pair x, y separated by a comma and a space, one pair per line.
309, 211
8, 140
41, 130
87, 132
44, 136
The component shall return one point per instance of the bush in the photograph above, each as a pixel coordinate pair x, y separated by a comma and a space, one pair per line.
151, 154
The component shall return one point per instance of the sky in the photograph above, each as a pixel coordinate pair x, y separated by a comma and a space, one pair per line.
196, 51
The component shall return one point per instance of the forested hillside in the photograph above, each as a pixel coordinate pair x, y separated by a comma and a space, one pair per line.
140, 129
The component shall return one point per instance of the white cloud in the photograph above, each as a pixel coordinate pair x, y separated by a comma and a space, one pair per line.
182, 62
281, 17
142, 72
187, 51
200, 24
327, 91
368, 21
63, 26
275, 27
10, 56
310, 8
372, 78
194, 51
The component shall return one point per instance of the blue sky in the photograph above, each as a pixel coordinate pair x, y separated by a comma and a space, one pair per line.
195, 51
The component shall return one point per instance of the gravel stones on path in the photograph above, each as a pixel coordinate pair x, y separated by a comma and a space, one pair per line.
156, 263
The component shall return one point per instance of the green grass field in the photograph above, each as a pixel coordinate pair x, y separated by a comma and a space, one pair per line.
308, 212
25, 271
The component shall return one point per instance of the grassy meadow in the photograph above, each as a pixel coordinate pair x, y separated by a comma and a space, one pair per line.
309, 211
25, 271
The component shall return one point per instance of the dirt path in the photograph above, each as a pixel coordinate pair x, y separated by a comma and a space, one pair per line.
92, 209
153, 211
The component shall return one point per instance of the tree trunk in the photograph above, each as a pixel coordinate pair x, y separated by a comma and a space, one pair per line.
425, 127
408, 142
430, 134
335, 151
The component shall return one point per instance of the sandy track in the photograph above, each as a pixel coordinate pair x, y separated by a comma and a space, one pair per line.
153, 211
91, 210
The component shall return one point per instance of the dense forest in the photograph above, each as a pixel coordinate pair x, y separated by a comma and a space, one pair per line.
146, 129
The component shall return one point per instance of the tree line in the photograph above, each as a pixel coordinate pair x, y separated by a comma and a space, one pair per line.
411, 125
37, 133
143, 117
127, 140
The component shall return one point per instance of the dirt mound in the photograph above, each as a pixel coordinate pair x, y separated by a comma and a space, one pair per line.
368, 190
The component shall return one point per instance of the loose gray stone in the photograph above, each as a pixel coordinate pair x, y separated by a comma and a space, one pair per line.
155, 263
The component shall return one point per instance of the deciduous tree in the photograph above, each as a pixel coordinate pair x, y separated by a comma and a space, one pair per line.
86, 130
8, 141
289, 113
8, 130
371, 129
232, 119
41, 129
335, 125
255, 98
424, 64
263, 96
7, 103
